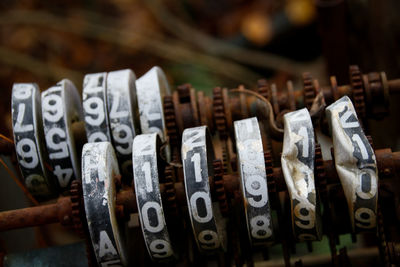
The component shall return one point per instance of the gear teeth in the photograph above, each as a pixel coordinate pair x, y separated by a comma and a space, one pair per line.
309, 90
356, 82
225, 160
219, 112
269, 170
320, 171
383, 246
219, 186
78, 218
170, 191
77, 206
170, 121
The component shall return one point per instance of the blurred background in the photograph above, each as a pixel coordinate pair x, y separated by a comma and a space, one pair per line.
206, 43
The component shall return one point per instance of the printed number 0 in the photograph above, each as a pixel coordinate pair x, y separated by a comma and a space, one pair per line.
207, 203
146, 221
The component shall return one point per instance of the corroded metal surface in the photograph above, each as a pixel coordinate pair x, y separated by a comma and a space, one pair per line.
297, 160
355, 164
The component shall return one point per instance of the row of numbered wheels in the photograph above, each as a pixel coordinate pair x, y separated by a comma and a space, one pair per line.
354, 159
113, 105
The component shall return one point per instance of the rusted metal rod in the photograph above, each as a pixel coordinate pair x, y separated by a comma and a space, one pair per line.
38, 215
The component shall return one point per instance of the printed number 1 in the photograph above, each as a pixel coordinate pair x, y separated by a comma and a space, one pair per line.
147, 176
197, 169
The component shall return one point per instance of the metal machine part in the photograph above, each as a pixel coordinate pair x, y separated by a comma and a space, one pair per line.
298, 157
148, 197
226, 194
99, 169
253, 180
122, 108
61, 107
355, 163
28, 139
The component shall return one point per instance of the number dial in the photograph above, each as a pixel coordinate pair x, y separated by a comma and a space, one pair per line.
94, 97
150, 89
122, 108
355, 163
148, 197
99, 167
297, 161
28, 139
207, 223
253, 181
61, 107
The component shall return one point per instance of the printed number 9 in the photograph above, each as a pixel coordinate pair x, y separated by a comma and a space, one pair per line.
257, 186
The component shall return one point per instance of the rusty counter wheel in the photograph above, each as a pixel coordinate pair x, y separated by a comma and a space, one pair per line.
219, 112
219, 188
78, 213
309, 90
358, 95
79, 220
170, 121
170, 192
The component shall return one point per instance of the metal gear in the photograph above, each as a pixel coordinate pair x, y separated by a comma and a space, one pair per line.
269, 170
219, 186
78, 217
383, 247
77, 206
170, 121
309, 90
356, 82
170, 190
219, 113
320, 172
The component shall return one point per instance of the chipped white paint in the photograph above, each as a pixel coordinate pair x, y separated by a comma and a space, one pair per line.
148, 197
207, 223
297, 161
61, 106
99, 168
151, 88
94, 98
355, 164
123, 116
28, 139
253, 180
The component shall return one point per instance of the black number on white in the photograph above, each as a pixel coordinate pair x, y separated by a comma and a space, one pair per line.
121, 103
61, 107
197, 154
94, 97
99, 167
28, 138
151, 88
355, 163
297, 160
253, 180
148, 197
